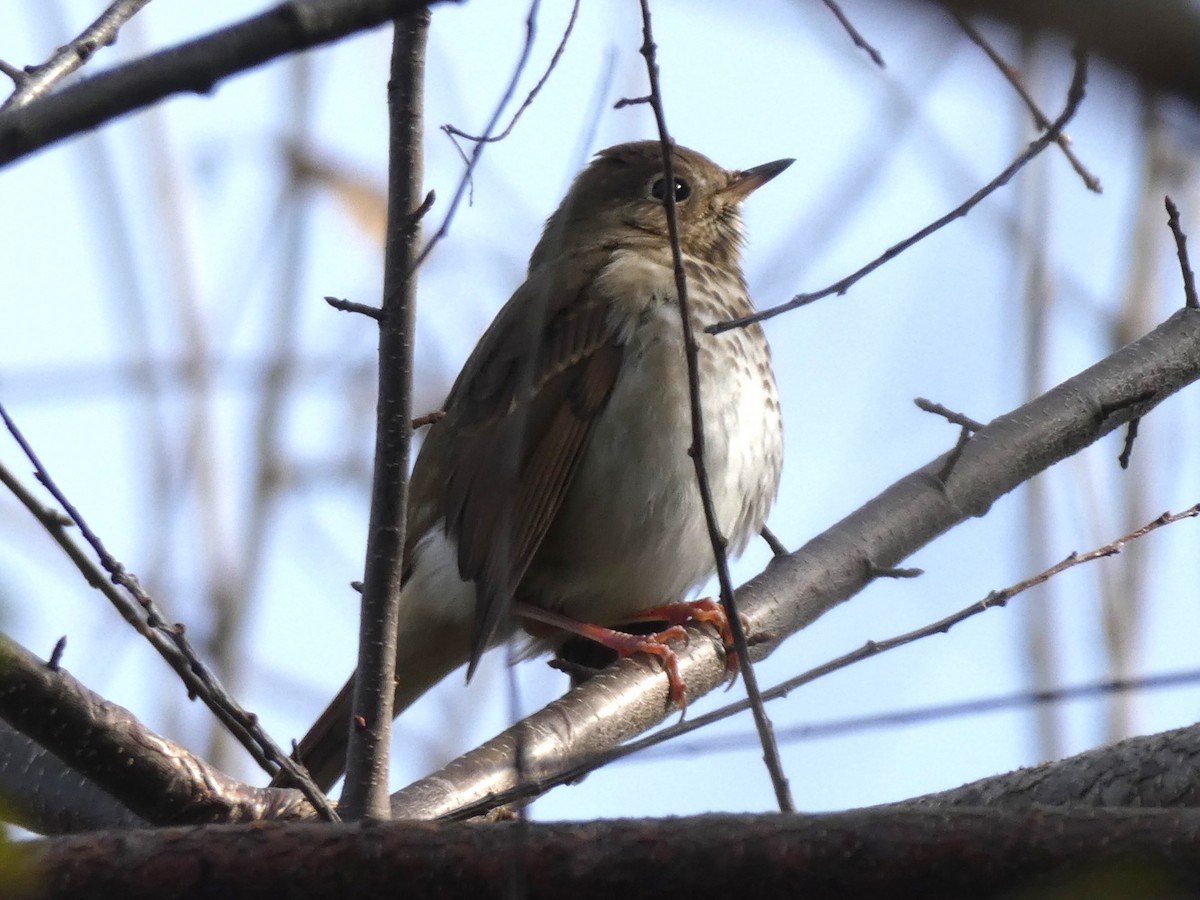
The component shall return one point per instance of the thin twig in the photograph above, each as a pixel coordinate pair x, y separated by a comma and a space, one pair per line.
955, 418
939, 712
371, 312
1131, 431
36, 81
855, 34
482, 141
141, 611
365, 794
776, 545
1040, 120
1074, 98
1189, 280
537, 88
691, 352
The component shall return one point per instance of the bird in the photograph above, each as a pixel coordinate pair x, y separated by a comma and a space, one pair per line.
557, 495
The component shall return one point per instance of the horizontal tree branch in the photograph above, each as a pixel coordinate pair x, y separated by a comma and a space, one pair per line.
974, 852
794, 590
192, 67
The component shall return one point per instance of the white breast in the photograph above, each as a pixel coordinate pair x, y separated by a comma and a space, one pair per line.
634, 496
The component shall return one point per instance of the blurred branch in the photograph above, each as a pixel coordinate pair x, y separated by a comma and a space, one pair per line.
794, 590
365, 794
140, 610
192, 67
35, 81
157, 780
485, 138
1153, 42
1040, 120
855, 35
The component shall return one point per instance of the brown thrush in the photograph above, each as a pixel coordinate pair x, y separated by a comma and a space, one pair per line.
558, 491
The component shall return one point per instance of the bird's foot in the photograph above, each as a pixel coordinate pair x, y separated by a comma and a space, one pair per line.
705, 609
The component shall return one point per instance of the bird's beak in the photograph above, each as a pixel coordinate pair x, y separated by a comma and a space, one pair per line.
744, 183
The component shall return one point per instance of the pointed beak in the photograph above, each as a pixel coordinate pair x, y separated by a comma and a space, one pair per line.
744, 183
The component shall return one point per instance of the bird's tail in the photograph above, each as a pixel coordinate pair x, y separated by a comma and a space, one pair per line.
422, 661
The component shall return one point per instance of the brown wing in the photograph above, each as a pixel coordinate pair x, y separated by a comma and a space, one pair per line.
521, 415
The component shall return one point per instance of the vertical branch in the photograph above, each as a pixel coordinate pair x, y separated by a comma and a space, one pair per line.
691, 353
365, 794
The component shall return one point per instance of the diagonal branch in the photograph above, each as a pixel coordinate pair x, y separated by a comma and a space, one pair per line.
196, 66
138, 608
159, 781
795, 590
36, 81
1074, 97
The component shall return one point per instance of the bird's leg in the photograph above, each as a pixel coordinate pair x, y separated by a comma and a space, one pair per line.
620, 642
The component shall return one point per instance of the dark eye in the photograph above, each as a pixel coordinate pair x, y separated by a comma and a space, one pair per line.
683, 190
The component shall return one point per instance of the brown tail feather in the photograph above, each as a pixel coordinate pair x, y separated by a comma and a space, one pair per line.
423, 660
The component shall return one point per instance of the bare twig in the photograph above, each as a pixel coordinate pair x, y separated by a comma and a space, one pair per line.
372, 312
537, 88
955, 418
482, 140
140, 611
365, 794
1189, 279
37, 81
1040, 120
691, 353
855, 35
1131, 431
1074, 98
936, 713
776, 545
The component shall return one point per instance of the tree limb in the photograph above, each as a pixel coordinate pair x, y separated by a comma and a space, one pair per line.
195, 66
794, 590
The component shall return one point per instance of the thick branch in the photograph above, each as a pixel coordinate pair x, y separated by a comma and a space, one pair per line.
794, 590
161, 782
195, 66
976, 853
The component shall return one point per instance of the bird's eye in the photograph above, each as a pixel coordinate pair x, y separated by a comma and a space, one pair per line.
683, 190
